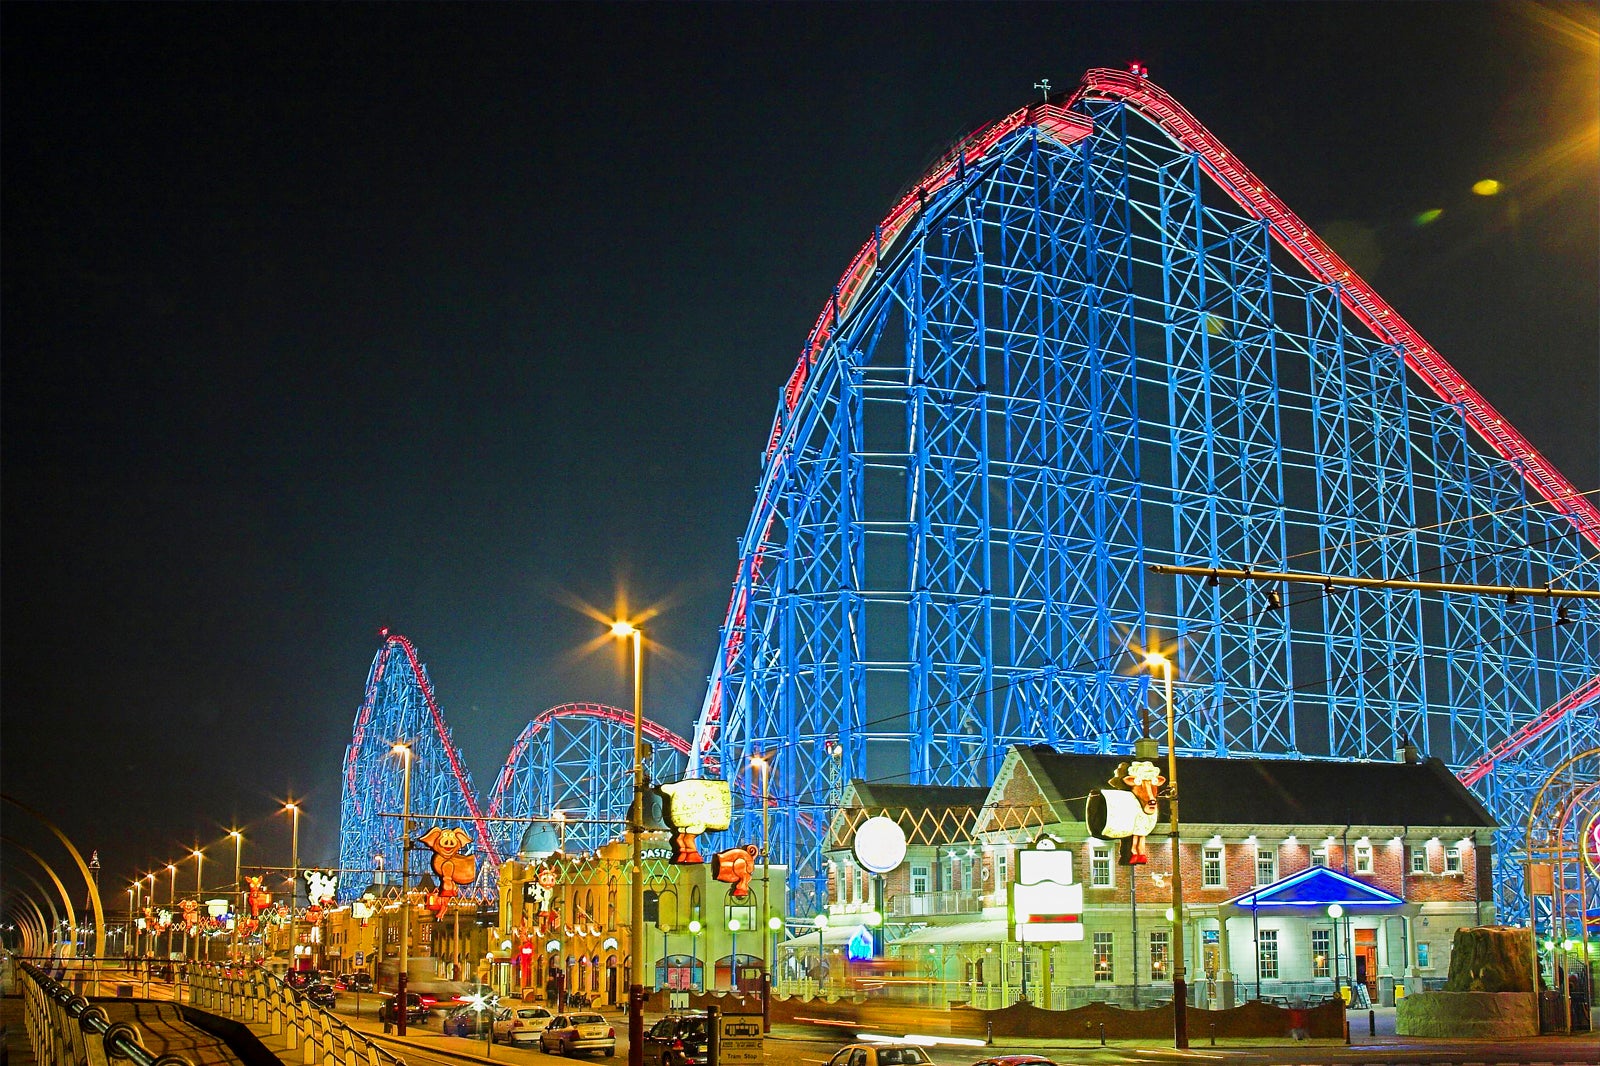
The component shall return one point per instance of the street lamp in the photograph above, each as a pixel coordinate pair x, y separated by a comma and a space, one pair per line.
200, 898
238, 889
760, 763
294, 885
694, 951
403, 750
172, 902
1180, 990
1335, 911
133, 930
821, 922
624, 630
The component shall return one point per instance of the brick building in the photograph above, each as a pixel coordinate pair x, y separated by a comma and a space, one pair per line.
1402, 848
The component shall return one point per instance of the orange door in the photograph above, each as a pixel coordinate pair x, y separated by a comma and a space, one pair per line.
1367, 959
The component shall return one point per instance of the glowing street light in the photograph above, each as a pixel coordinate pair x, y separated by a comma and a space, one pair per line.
238, 888
293, 809
625, 630
1180, 990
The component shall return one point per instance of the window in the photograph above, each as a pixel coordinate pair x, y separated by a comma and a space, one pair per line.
1102, 958
1000, 869
1419, 860
1321, 946
919, 879
1100, 866
1266, 865
1422, 955
1211, 868
967, 863
1267, 954
1452, 860
1158, 956
1363, 858
1319, 856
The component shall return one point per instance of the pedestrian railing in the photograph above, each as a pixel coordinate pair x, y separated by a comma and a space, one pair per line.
262, 997
65, 1029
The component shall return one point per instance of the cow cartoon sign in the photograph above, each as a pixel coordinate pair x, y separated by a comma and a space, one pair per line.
1128, 810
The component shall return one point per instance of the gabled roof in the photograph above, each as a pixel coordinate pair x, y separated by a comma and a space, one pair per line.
1318, 886
928, 814
1287, 792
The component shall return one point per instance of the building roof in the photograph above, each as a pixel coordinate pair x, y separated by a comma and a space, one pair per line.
928, 814
1316, 887
1288, 792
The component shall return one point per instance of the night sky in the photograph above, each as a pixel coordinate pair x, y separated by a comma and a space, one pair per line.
454, 319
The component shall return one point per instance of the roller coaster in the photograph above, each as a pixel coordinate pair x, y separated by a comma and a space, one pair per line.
1087, 341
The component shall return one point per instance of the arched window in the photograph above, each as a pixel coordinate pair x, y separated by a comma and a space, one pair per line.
694, 902
611, 907
588, 905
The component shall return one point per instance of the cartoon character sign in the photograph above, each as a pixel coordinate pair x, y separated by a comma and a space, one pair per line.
735, 866
191, 915
541, 893
165, 917
452, 867
694, 806
1127, 811
321, 886
256, 898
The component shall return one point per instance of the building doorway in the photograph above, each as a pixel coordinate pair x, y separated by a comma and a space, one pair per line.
1366, 961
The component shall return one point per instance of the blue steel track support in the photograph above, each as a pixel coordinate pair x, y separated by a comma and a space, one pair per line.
1068, 358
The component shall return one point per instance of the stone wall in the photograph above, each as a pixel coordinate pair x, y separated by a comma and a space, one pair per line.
1470, 1015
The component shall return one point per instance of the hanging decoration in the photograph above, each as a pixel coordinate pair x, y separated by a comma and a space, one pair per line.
322, 886
692, 807
256, 898
1127, 811
452, 867
735, 866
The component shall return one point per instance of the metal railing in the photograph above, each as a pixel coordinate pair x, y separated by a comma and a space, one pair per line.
952, 901
67, 1030
262, 997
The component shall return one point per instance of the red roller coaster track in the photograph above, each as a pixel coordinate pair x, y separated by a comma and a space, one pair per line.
1292, 234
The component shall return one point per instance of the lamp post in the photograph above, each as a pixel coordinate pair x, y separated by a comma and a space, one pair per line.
238, 891
694, 951
760, 763
199, 898
1335, 912
1180, 990
733, 955
151, 946
294, 885
401, 980
821, 922
628, 631
172, 903
133, 932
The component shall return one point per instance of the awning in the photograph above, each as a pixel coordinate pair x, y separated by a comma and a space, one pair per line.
987, 931
834, 936
1315, 887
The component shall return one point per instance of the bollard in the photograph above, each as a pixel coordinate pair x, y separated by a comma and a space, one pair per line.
1213, 1034
1102, 1034
1372, 1023
988, 1033
1347, 1030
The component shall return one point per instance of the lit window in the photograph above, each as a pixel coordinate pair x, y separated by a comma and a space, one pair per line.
1000, 869
1266, 865
1319, 856
1100, 866
1419, 860
1102, 958
1452, 860
1211, 868
1158, 956
1422, 956
1267, 954
1363, 858
919, 880
1321, 948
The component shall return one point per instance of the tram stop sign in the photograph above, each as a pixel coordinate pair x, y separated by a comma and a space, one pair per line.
740, 1040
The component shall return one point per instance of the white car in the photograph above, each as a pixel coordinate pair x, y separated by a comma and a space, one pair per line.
568, 1034
520, 1025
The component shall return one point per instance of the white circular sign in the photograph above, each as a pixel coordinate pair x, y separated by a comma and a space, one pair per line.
880, 844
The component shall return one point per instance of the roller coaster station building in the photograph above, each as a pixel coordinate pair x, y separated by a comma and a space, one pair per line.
1302, 879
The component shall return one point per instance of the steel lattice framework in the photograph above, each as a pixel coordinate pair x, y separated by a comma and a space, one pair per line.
577, 759
399, 706
1088, 341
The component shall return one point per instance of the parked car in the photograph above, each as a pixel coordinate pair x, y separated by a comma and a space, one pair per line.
472, 1022
322, 994
880, 1055
521, 1025
360, 981
416, 1010
677, 1040
570, 1033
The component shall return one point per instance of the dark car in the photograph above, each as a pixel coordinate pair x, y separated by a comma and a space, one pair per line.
323, 995
677, 1040
360, 981
299, 979
416, 1010
472, 1021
